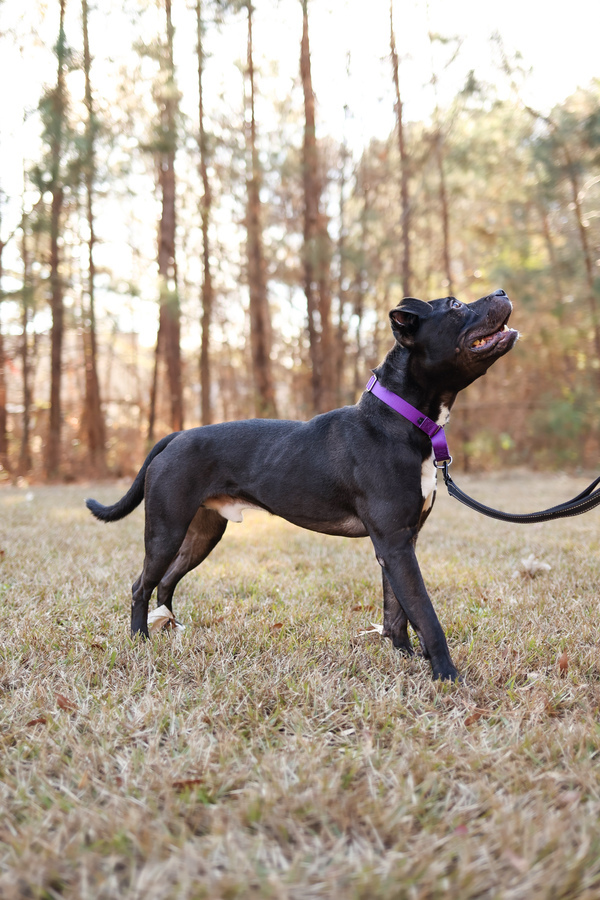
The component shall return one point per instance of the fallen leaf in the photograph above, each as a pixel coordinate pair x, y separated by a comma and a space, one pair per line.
276, 626
525, 681
162, 619
531, 567
66, 704
359, 608
376, 629
41, 720
83, 780
563, 663
476, 715
2, 554
182, 783
461, 829
568, 798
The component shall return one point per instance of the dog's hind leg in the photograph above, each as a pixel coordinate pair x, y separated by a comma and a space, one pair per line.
169, 557
395, 621
163, 540
203, 535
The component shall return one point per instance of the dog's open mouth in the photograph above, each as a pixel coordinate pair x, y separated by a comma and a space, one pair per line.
491, 340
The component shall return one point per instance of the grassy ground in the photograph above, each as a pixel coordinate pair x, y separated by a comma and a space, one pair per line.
271, 751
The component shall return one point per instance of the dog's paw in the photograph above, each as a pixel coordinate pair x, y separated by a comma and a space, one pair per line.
447, 673
404, 646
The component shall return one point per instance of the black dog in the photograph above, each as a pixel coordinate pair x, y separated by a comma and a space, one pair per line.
359, 471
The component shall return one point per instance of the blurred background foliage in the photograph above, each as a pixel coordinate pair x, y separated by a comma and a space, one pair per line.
169, 262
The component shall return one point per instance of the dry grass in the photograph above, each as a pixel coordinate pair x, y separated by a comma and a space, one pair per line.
270, 751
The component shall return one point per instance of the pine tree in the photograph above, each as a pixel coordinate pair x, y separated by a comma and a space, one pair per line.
260, 318
94, 418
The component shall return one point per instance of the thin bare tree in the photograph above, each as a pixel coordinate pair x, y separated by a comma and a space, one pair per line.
4, 464
405, 209
260, 317
56, 134
316, 248
94, 419
205, 207
25, 460
169, 327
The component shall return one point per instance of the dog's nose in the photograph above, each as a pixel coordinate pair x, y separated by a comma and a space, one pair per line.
500, 294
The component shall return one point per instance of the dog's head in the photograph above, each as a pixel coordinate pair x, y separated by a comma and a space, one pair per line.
454, 341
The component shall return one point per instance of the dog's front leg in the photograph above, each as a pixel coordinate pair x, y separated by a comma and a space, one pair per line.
396, 556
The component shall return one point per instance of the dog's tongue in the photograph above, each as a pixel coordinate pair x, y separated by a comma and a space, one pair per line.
485, 340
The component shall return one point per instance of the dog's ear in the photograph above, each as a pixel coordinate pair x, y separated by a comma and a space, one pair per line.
406, 318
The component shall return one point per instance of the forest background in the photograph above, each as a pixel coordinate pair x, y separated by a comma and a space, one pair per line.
188, 234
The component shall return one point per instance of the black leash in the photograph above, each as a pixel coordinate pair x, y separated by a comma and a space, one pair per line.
588, 499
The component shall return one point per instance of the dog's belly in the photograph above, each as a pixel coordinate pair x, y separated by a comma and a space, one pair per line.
350, 526
232, 508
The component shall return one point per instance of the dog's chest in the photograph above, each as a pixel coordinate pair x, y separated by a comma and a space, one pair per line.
428, 470
428, 482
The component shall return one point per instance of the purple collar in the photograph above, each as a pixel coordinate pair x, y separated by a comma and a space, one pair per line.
431, 428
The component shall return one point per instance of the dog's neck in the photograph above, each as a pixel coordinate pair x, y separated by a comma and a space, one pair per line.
397, 375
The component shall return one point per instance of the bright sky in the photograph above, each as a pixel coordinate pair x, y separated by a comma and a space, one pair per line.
559, 42
350, 59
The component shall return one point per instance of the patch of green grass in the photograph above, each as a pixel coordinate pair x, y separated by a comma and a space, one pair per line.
271, 751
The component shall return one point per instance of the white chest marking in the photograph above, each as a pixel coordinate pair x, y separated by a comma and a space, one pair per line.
428, 470
444, 416
428, 479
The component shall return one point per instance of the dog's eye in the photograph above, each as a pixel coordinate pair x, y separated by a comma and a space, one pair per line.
456, 304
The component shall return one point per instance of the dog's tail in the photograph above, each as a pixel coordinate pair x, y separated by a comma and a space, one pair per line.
135, 494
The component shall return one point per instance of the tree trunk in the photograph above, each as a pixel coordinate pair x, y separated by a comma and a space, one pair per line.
260, 318
154, 383
168, 338
207, 286
316, 251
359, 302
404, 167
571, 173
52, 456
438, 148
340, 339
328, 353
444, 212
96, 436
3, 417
554, 266
587, 256
25, 452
